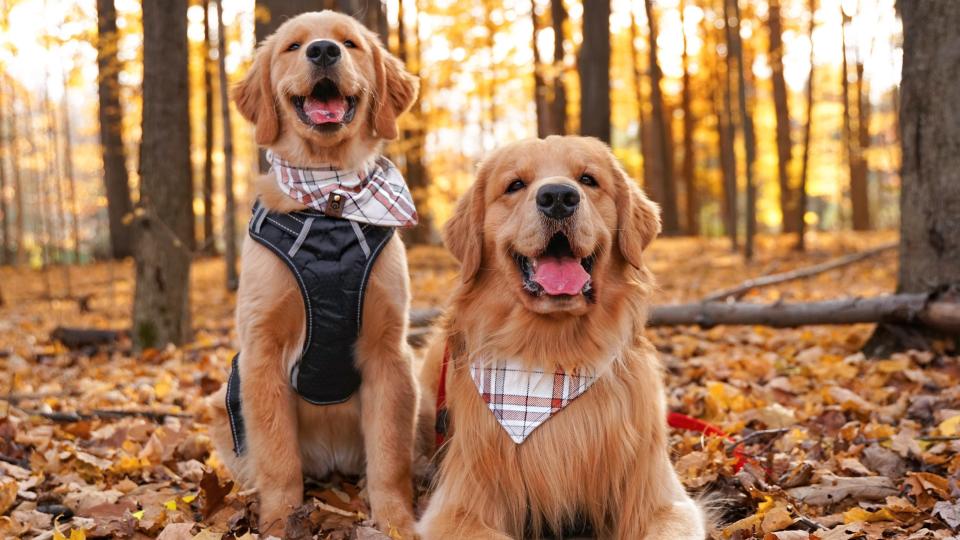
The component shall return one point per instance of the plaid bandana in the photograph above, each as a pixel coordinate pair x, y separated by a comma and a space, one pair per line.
376, 194
522, 399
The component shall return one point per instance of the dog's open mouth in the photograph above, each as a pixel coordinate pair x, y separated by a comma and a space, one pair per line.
556, 271
326, 106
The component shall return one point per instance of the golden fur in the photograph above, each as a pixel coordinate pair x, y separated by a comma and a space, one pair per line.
287, 437
605, 456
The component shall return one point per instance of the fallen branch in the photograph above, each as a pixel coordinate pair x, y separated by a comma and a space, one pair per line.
78, 338
744, 287
896, 308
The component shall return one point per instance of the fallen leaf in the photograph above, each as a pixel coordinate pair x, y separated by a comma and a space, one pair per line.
833, 489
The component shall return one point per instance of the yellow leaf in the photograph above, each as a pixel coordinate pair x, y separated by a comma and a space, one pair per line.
189, 498
950, 426
77, 534
138, 514
857, 514
171, 504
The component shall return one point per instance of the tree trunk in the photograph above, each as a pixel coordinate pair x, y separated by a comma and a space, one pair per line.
161, 309
68, 171
660, 143
749, 139
558, 105
781, 105
594, 67
414, 137
59, 216
230, 206
801, 224
643, 128
859, 201
116, 182
930, 193
688, 167
209, 240
16, 173
540, 100
727, 138
858, 182
6, 251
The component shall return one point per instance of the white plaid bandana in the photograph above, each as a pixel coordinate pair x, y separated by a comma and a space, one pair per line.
522, 399
376, 194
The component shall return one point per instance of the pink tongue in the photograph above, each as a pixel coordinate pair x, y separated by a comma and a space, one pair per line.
322, 112
560, 276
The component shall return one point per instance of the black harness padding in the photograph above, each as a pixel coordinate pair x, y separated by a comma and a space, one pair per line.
331, 260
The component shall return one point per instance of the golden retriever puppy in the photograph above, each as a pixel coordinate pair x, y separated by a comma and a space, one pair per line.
323, 94
554, 399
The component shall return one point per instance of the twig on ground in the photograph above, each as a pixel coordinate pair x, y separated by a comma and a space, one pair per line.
737, 291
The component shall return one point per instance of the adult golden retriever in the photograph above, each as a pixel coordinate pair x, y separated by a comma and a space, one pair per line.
551, 239
328, 106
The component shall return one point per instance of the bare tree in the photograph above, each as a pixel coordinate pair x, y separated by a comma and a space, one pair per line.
6, 247
782, 108
643, 127
726, 136
661, 145
414, 137
68, 170
161, 308
594, 67
16, 173
209, 241
540, 91
859, 200
746, 123
558, 105
801, 223
230, 205
115, 177
688, 168
930, 196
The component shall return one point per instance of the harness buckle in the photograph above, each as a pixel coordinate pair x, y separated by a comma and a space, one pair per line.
334, 205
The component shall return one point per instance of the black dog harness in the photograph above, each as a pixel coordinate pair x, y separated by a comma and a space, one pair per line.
331, 260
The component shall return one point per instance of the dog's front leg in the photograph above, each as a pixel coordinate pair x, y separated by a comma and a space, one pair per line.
388, 401
269, 410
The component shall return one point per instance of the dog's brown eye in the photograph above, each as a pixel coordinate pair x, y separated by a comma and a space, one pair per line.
349, 44
293, 47
588, 180
516, 185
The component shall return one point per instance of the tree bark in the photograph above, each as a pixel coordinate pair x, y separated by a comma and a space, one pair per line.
161, 309
68, 171
930, 192
801, 224
414, 137
660, 144
859, 191
650, 179
6, 251
782, 108
540, 97
115, 178
16, 174
209, 240
230, 205
558, 105
688, 167
594, 67
749, 139
901, 308
727, 126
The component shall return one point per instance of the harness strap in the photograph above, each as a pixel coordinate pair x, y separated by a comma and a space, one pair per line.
441, 424
304, 231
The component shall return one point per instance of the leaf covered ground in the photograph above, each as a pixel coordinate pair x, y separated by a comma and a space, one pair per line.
100, 442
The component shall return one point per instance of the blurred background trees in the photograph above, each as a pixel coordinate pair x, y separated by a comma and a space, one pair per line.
739, 117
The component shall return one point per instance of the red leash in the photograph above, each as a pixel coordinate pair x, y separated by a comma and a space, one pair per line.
674, 420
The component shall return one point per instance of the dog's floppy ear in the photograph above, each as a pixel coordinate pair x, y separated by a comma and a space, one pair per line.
463, 233
638, 218
395, 92
254, 97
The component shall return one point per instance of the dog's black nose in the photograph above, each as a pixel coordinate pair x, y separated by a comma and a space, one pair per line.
557, 201
323, 53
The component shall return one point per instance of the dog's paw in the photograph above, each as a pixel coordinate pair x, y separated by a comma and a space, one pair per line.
397, 523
